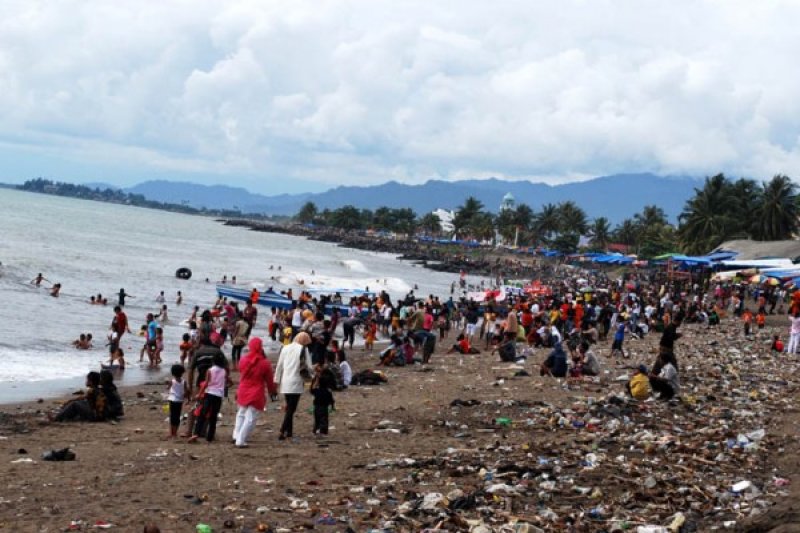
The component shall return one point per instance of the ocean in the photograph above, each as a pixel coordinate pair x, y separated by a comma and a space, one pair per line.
93, 247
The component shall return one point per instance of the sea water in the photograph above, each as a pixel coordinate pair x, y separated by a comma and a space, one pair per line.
94, 247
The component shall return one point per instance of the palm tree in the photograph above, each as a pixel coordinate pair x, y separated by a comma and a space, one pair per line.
572, 219
464, 215
482, 226
524, 216
506, 224
546, 223
600, 232
431, 224
742, 196
626, 232
706, 220
651, 215
308, 213
776, 212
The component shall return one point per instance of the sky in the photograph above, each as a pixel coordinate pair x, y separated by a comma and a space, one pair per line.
304, 95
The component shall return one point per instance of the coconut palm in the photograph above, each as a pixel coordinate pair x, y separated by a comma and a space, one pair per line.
651, 215
308, 213
708, 218
776, 212
524, 216
546, 222
430, 224
572, 219
600, 231
482, 226
506, 222
465, 214
626, 232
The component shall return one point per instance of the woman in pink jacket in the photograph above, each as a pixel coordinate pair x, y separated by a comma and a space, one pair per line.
255, 373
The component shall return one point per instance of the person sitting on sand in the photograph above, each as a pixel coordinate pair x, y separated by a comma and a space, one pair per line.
393, 354
639, 385
88, 407
576, 365
666, 383
556, 363
590, 364
777, 344
507, 348
113, 406
344, 368
463, 346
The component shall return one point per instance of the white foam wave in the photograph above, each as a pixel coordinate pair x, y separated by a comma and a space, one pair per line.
353, 265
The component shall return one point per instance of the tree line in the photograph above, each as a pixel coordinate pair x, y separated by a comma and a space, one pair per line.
117, 196
720, 210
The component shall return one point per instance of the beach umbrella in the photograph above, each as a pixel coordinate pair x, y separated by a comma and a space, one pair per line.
758, 278
773, 281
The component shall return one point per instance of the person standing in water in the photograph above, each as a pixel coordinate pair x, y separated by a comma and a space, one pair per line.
120, 323
122, 296
39, 279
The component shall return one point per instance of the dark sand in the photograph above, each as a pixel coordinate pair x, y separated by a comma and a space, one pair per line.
127, 475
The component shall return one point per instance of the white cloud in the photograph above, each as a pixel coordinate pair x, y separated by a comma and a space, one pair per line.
364, 92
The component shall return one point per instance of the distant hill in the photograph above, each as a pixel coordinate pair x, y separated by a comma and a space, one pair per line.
615, 197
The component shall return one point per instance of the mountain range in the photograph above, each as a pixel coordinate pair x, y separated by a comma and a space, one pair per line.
616, 197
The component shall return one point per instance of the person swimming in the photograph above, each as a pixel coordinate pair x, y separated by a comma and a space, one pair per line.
39, 279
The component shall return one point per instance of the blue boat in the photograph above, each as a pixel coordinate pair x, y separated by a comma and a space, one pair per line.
266, 298
272, 299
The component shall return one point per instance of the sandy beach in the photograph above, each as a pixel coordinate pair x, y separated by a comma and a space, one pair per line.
404, 456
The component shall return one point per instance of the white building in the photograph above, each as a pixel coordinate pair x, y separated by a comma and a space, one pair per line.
508, 202
445, 220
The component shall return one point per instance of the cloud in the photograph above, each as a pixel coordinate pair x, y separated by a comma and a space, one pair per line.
364, 92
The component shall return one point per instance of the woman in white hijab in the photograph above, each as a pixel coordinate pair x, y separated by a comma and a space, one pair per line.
293, 363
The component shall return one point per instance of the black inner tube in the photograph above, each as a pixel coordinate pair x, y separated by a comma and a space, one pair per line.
183, 273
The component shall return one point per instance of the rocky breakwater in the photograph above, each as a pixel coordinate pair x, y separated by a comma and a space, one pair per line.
438, 257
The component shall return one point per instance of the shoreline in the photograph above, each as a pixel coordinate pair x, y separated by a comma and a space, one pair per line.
17, 392
480, 261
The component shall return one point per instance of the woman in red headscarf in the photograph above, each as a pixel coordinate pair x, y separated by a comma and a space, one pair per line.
255, 372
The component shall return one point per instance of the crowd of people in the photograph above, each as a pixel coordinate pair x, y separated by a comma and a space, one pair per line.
578, 312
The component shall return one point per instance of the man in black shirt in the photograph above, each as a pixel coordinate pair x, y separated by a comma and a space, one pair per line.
203, 360
667, 344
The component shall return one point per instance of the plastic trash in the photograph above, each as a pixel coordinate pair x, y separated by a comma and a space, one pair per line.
741, 486
431, 501
203, 528
64, 454
677, 522
326, 520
